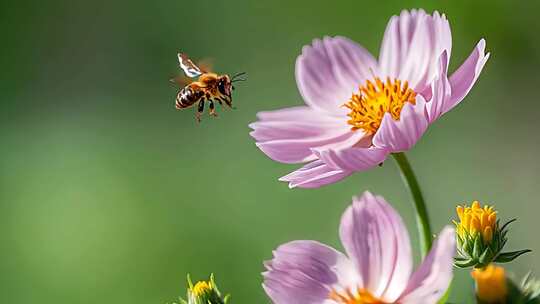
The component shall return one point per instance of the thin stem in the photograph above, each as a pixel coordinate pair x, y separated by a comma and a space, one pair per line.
422, 218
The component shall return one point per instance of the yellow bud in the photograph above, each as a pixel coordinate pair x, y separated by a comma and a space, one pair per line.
477, 219
201, 287
475, 225
491, 285
492, 219
459, 211
465, 222
487, 234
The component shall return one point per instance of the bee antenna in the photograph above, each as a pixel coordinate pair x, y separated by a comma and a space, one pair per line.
239, 74
237, 77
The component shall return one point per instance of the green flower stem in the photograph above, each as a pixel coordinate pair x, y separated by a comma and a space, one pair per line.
422, 218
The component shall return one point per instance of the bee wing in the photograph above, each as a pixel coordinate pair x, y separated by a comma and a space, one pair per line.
181, 80
190, 69
205, 65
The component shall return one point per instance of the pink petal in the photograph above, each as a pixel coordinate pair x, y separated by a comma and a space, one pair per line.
304, 272
288, 135
330, 70
294, 122
412, 45
352, 159
314, 175
376, 240
440, 92
293, 114
465, 76
402, 135
430, 281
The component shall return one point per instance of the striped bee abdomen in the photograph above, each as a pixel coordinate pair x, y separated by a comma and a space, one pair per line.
187, 97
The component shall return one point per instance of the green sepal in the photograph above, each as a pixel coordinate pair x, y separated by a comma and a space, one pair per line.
506, 257
465, 263
460, 259
469, 243
485, 258
477, 247
503, 228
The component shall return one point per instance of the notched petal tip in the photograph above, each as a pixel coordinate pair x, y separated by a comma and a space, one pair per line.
329, 70
412, 43
376, 239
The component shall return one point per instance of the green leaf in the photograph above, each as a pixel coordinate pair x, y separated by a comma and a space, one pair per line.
446, 294
506, 257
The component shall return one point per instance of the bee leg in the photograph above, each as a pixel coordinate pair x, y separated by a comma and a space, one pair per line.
200, 110
212, 109
223, 100
228, 101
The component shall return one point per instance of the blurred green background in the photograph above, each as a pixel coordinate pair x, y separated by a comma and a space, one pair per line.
110, 195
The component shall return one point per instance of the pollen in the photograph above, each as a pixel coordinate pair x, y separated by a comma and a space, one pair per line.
201, 287
376, 98
476, 220
361, 296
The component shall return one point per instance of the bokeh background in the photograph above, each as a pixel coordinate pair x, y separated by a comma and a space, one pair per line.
110, 195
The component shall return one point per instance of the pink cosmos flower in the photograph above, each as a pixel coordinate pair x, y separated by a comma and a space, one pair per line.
358, 110
376, 270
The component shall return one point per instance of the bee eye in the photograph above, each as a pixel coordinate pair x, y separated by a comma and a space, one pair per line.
222, 87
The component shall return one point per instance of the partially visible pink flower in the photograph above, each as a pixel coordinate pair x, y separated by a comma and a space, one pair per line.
358, 110
377, 268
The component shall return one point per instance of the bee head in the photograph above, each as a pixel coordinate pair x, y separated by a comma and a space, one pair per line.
224, 85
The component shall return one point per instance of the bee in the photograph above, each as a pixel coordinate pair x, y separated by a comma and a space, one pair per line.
209, 87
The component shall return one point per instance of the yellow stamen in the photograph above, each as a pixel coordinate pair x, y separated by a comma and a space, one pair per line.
362, 296
201, 287
476, 220
374, 99
491, 284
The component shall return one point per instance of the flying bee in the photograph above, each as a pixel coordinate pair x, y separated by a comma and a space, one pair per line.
209, 87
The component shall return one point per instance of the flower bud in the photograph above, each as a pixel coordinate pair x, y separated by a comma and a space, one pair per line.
494, 286
530, 289
491, 284
480, 238
204, 292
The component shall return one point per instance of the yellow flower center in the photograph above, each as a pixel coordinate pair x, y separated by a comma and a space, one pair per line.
490, 284
374, 99
201, 287
476, 219
362, 296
